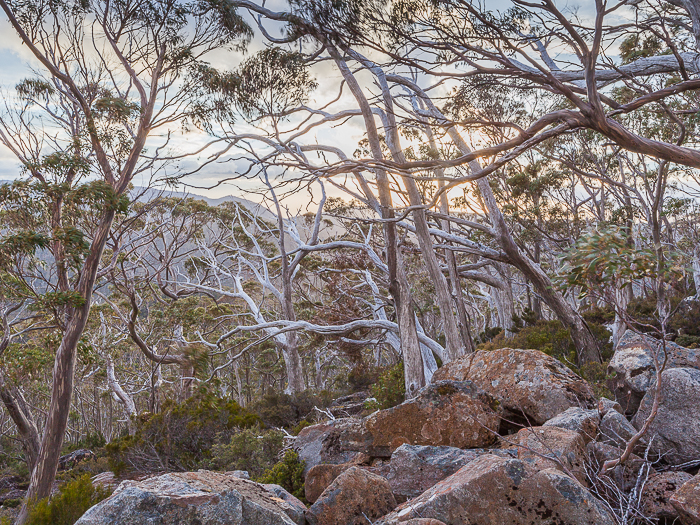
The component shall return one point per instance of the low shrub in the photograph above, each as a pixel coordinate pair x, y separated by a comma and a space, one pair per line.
180, 437
288, 473
66, 507
255, 450
390, 388
286, 411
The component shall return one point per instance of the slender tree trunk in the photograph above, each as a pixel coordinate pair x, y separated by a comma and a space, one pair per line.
124, 398
398, 283
44, 472
18, 410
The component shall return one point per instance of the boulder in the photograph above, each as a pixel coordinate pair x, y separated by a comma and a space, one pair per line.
416, 468
354, 498
615, 430
498, 491
333, 442
297, 509
105, 479
632, 366
553, 447
423, 521
320, 476
605, 405
452, 413
686, 500
623, 477
580, 420
183, 498
658, 489
529, 383
675, 432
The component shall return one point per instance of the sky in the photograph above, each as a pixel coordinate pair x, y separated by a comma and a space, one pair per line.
17, 62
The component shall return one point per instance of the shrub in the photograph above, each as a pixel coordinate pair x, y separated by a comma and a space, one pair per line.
66, 507
255, 450
285, 411
288, 473
390, 388
181, 436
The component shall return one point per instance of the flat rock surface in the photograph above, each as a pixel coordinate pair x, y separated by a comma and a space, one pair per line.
186, 498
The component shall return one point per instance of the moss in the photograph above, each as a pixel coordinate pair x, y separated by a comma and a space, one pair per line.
66, 507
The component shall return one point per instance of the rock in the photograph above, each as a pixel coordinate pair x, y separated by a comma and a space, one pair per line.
105, 479
528, 383
605, 405
657, 492
416, 468
632, 366
334, 442
498, 491
615, 430
320, 476
566, 448
580, 420
350, 405
77, 456
624, 477
453, 413
243, 474
675, 432
353, 498
423, 521
184, 498
686, 500
298, 509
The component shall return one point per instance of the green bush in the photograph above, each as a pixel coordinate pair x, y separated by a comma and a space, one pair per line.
285, 411
255, 450
66, 507
390, 388
180, 437
288, 473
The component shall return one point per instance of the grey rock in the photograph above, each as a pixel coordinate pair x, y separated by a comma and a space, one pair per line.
243, 474
499, 491
675, 432
605, 405
615, 430
632, 366
414, 468
621, 478
186, 498
333, 442
580, 420
297, 508
656, 496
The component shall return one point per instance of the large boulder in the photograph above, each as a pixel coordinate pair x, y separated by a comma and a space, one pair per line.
353, 498
184, 498
584, 422
657, 492
453, 413
553, 447
319, 477
632, 366
528, 383
686, 500
333, 442
675, 432
414, 468
498, 491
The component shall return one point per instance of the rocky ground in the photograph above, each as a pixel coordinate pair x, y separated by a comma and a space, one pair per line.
500, 437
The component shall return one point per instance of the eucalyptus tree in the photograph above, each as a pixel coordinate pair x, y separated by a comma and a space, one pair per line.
109, 75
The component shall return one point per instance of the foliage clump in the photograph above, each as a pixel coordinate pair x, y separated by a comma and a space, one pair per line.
390, 388
254, 449
71, 502
180, 437
288, 474
287, 411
